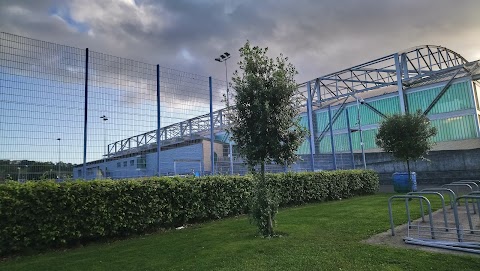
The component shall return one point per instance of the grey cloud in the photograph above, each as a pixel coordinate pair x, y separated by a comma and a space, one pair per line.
318, 36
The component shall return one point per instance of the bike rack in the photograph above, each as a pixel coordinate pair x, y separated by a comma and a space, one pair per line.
443, 206
476, 181
467, 197
474, 193
456, 185
450, 192
468, 182
446, 241
458, 246
406, 197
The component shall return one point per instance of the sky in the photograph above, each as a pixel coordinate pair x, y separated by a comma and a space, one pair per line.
185, 36
319, 37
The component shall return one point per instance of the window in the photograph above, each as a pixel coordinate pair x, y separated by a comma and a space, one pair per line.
89, 171
141, 161
132, 162
225, 150
119, 164
124, 163
79, 172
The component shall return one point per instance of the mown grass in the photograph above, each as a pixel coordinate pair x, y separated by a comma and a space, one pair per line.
322, 236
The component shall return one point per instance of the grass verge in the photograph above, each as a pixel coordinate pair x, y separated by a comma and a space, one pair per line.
322, 236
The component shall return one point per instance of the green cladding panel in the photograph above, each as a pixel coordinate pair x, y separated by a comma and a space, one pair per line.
387, 106
305, 146
456, 128
341, 142
457, 97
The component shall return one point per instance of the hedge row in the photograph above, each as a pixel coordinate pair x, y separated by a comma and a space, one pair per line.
38, 215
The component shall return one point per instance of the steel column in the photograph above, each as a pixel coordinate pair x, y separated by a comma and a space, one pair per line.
310, 126
473, 90
361, 135
350, 138
401, 95
331, 137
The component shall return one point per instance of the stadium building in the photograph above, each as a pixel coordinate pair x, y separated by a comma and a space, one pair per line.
342, 112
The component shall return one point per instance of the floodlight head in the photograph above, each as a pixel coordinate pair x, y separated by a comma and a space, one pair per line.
222, 56
58, 138
226, 54
218, 59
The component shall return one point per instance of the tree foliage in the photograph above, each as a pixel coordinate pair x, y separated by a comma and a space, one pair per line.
265, 122
33, 170
407, 137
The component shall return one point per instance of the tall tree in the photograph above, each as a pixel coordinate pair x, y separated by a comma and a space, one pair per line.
407, 137
265, 122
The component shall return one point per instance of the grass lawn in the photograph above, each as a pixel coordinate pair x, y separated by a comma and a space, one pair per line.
322, 236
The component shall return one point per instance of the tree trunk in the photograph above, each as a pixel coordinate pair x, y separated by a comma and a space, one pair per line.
264, 184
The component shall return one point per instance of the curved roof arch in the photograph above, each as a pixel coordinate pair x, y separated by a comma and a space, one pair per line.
436, 47
411, 64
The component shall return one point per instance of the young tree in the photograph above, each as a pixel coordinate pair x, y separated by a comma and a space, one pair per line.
265, 122
407, 137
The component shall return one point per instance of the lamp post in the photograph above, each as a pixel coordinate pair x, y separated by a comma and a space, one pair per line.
58, 172
104, 118
223, 58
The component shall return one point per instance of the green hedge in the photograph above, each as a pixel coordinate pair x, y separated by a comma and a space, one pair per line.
38, 215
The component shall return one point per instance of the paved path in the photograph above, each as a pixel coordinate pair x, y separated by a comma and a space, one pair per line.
388, 188
423, 231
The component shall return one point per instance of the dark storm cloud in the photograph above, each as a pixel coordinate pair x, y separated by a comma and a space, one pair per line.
318, 36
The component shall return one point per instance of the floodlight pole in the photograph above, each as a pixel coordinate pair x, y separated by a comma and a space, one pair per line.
226, 80
223, 58
18, 177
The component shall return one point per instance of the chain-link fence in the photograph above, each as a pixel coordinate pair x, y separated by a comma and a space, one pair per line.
73, 113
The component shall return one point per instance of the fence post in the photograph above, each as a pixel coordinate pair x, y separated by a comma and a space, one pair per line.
85, 118
212, 152
158, 120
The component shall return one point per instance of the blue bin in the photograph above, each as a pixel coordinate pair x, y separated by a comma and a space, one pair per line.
400, 182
